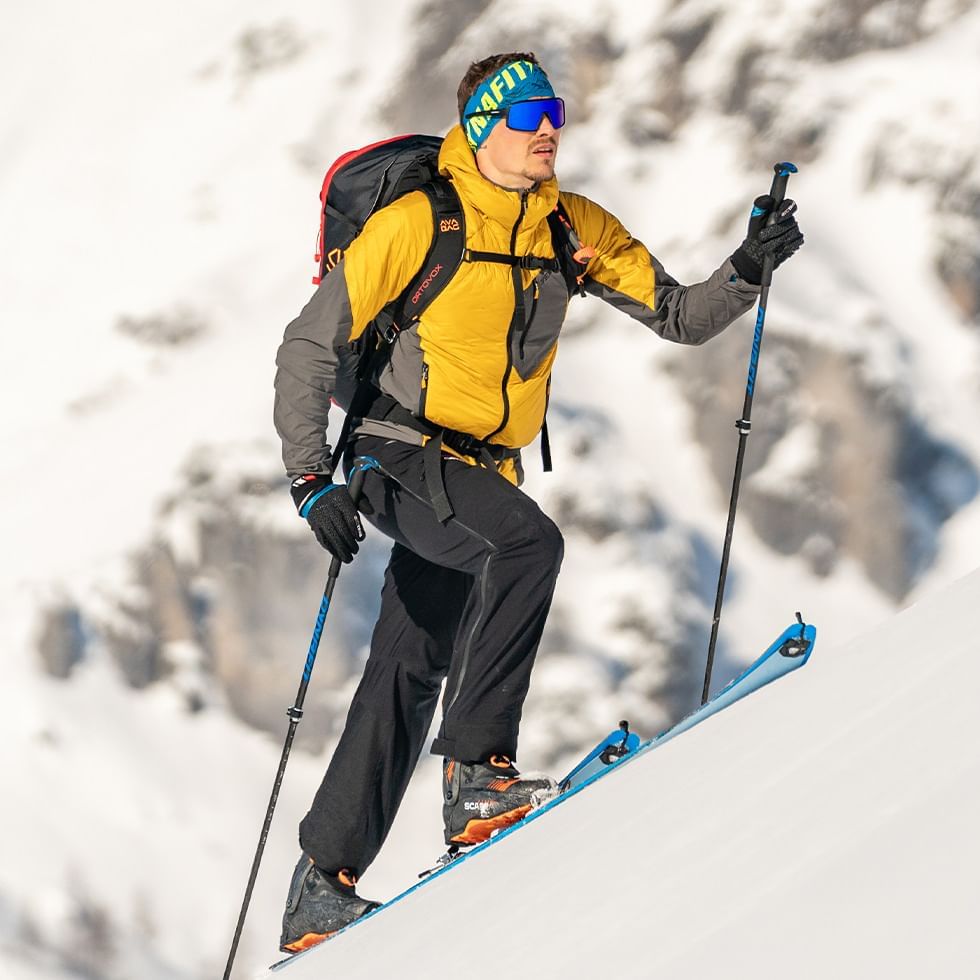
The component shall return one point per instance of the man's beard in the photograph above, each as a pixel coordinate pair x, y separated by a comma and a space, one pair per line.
540, 170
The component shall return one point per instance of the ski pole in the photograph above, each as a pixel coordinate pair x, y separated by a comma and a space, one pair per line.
295, 712
744, 424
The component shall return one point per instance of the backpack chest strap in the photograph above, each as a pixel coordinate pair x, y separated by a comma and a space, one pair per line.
504, 258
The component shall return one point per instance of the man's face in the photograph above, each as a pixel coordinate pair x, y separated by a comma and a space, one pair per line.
519, 160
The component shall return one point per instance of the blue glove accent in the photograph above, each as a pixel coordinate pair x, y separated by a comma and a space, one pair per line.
309, 503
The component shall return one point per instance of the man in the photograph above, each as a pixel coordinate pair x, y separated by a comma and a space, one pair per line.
474, 563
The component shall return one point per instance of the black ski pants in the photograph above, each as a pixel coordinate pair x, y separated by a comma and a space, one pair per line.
464, 601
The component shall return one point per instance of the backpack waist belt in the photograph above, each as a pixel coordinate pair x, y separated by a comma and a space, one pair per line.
383, 408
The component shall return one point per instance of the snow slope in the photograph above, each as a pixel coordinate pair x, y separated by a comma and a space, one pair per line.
825, 826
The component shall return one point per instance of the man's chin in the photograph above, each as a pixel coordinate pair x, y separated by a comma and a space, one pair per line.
540, 172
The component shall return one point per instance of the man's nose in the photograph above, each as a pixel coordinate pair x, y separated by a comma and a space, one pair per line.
545, 128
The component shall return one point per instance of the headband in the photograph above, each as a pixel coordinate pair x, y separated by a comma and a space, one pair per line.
517, 82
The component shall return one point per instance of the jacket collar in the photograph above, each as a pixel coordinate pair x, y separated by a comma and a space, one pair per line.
503, 206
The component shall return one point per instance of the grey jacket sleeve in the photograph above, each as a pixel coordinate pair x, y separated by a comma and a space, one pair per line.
306, 375
685, 314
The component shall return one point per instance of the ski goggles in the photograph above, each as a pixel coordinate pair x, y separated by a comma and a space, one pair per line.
526, 116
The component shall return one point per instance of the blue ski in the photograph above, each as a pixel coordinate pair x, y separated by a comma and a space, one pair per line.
791, 650
788, 652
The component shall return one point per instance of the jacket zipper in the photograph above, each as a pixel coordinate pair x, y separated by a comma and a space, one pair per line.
518, 294
517, 223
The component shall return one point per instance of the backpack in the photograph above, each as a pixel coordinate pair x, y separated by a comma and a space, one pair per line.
365, 180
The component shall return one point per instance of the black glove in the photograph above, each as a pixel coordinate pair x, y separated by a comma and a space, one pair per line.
330, 512
780, 240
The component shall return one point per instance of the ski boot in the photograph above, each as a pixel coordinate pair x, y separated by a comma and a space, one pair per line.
482, 797
319, 904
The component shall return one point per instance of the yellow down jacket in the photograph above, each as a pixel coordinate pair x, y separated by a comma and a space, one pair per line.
465, 364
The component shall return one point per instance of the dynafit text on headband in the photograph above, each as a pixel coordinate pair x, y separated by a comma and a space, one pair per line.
516, 82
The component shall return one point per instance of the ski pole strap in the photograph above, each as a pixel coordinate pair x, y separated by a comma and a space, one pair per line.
359, 470
364, 395
338, 450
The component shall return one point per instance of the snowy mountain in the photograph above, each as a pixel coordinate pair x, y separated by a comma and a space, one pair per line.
159, 189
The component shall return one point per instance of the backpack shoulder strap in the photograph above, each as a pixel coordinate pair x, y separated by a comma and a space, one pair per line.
441, 262
444, 255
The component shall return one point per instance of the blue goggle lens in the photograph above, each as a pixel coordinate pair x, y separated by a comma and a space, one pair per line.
526, 116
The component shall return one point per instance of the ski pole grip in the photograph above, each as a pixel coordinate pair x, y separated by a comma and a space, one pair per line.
356, 481
781, 174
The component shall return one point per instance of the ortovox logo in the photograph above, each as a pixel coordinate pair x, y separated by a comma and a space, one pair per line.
449, 224
333, 257
426, 282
